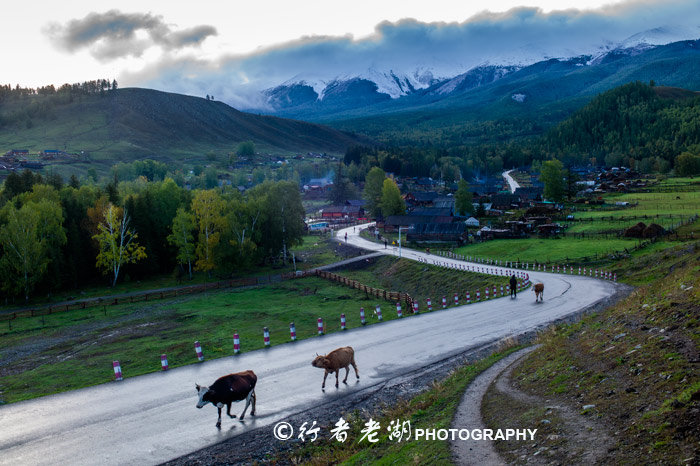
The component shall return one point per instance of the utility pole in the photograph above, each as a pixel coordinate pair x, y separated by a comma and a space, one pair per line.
401, 228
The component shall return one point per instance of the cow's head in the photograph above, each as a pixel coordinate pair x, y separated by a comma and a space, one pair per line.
203, 393
320, 361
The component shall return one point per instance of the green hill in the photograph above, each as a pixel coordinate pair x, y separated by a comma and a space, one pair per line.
132, 123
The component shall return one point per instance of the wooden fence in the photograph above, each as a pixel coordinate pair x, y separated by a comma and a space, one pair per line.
392, 296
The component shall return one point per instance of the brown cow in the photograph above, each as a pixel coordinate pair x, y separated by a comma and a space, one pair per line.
228, 389
334, 361
539, 291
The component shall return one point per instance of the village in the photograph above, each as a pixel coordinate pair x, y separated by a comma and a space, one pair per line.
20, 159
497, 213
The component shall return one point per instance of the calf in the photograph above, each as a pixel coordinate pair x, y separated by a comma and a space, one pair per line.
226, 390
539, 291
334, 361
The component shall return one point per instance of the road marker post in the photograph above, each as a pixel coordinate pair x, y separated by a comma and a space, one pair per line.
430, 305
398, 309
342, 322
198, 351
362, 316
292, 331
320, 326
163, 362
236, 344
378, 310
456, 299
117, 371
415, 307
266, 336
444, 302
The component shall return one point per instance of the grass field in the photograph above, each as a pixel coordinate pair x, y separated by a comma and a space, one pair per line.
37, 352
650, 204
313, 252
545, 250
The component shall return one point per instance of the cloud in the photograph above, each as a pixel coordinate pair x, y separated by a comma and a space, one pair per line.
521, 35
114, 34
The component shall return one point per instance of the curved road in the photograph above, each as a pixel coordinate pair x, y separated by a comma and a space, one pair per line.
512, 184
152, 418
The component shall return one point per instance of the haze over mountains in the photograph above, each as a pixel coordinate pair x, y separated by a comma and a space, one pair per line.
517, 76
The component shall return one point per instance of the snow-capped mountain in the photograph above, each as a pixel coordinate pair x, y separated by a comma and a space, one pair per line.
328, 92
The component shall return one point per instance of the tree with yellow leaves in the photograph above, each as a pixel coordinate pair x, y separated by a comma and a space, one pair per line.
117, 243
208, 209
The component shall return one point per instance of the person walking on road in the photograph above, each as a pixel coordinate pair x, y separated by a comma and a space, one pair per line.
513, 287
346, 237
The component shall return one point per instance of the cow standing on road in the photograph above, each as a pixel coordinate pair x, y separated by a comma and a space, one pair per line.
226, 390
539, 291
334, 361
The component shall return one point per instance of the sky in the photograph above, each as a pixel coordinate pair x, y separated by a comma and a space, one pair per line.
233, 49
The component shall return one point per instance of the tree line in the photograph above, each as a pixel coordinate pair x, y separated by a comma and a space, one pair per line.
95, 86
633, 125
58, 237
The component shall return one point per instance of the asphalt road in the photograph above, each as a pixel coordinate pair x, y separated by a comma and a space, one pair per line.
512, 184
152, 418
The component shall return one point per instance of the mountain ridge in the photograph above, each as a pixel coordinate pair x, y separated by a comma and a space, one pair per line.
376, 96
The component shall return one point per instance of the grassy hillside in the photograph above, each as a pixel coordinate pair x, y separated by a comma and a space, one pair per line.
635, 367
132, 123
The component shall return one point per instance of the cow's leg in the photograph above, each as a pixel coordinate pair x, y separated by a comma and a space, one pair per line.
247, 403
228, 411
252, 412
325, 374
218, 423
347, 371
357, 373
337, 373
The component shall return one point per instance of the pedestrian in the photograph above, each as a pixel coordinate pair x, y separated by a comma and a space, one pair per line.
346, 237
513, 287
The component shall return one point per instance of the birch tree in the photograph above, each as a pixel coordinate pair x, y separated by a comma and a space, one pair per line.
183, 239
117, 243
207, 207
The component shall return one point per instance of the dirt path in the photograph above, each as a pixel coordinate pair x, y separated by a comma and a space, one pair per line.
579, 438
468, 415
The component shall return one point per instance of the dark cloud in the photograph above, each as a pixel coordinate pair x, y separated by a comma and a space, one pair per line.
521, 35
114, 34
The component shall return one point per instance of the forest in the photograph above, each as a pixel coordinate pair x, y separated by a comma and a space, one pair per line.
55, 236
637, 125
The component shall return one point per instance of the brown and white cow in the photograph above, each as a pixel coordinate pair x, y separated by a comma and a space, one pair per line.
227, 389
334, 361
539, 291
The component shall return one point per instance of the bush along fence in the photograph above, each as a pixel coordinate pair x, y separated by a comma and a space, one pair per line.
403, 304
